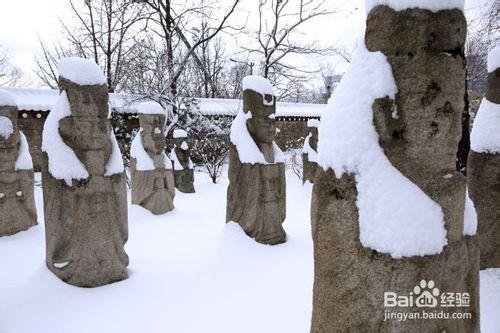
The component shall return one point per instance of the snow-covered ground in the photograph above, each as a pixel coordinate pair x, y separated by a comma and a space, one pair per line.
189, 272
490, 300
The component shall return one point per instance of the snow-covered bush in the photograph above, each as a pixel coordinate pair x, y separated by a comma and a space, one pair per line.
210, 145
123, 136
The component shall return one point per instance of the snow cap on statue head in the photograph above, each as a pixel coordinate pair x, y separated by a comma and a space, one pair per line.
150, 107
85, 95
313, 123
152, 117
258, 96
85, 86
259, 106
180, 133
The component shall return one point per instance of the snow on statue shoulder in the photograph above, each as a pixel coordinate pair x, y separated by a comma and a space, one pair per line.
256, 196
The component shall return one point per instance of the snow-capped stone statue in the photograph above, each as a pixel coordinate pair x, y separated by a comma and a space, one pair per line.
84, 184
484, 166
310, 152
17, 202
256, 196
388, 206
183, 167
150, 169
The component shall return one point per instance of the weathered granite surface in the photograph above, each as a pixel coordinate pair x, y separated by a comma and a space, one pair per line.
183, 173
17, 202
153, 189
425, 51
483, 181
86, 223
309, 167
256, 196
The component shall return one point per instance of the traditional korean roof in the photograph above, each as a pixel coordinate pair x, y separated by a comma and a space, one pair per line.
40, 99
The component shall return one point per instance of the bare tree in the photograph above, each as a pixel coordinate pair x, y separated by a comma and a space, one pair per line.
103, 32
212, 55
10, 75
233, 78
278, 37
170, 22
483, 34
46, 63
476, 53
491, 23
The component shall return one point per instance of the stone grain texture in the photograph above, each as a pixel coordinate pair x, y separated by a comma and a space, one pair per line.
153, 189
184, 179
483, 177
17, 202
256, 195
424, 50
86, 224
308, 167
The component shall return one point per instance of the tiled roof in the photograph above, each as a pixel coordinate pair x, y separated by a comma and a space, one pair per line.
39, 99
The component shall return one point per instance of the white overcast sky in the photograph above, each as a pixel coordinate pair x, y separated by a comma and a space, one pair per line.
21, 21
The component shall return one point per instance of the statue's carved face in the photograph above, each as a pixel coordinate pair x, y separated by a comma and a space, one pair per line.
85, 133
88, 127
86, 101
262, 125
178, 142
153, 135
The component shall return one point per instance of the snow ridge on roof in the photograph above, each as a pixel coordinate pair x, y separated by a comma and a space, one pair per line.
7, 99
81, 71
41, 99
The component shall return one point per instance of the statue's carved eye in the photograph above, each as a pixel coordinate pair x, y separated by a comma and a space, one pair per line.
268, 99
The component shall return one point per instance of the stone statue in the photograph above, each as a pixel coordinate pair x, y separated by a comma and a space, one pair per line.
183, 167
17, 202
483, 170
150, 169
418, 126
256, 196
310, 152
84, 184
